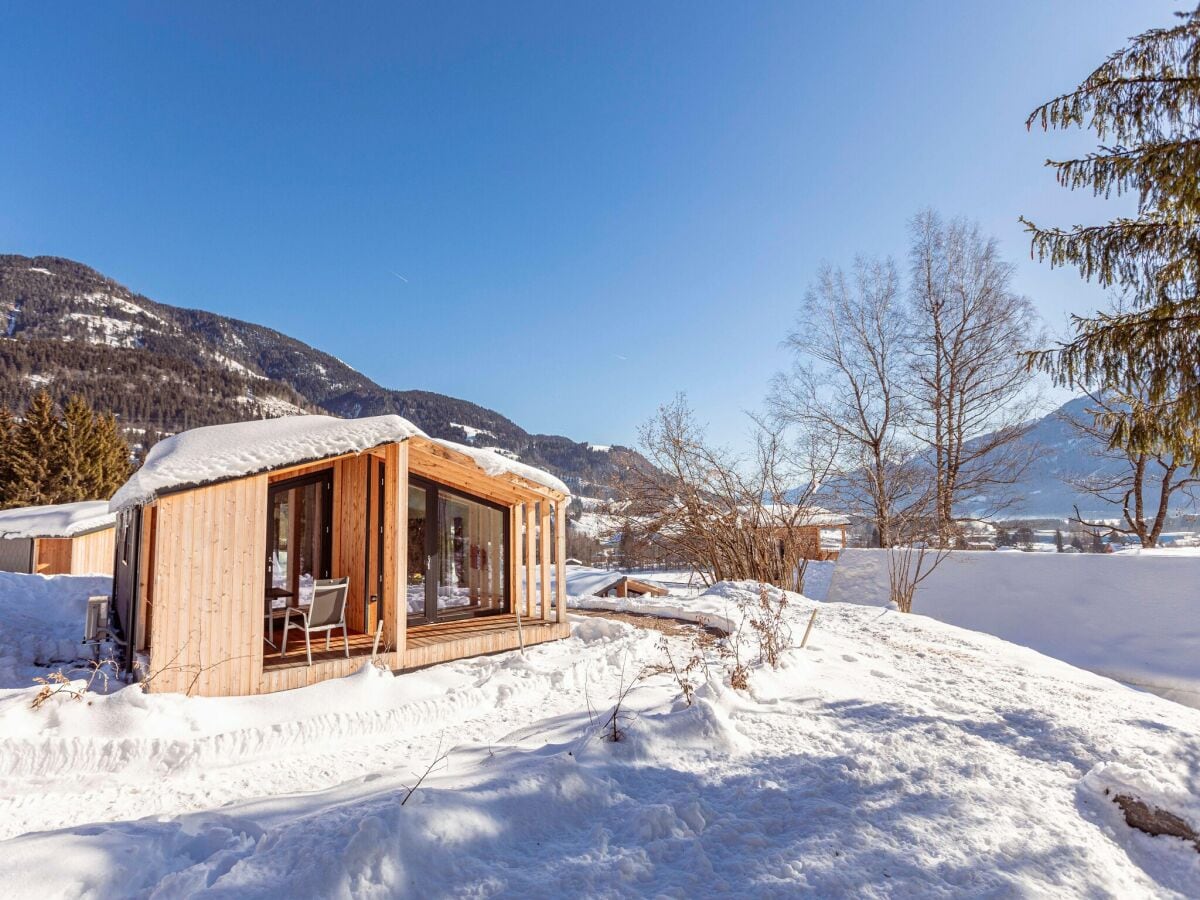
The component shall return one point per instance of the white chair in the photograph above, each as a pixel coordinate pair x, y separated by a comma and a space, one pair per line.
326, 613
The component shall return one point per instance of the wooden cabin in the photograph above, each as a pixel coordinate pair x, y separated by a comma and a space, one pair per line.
61, 539
812, 532
224, 524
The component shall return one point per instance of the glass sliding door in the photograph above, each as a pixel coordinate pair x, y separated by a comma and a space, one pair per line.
298, 535
461, 570
418, 553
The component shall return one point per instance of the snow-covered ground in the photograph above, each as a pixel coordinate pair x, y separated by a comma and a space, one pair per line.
41, 624
1131, 616
895, 756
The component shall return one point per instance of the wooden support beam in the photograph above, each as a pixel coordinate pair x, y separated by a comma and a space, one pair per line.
560, 561
395, 546
515, 519
544, 552
530, 559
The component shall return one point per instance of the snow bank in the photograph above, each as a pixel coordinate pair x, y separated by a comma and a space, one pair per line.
57, 521
895, 756
41, 624
1131, 617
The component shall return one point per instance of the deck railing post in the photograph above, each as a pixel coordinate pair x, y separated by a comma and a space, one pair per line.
560, 556
530, 557
544, 548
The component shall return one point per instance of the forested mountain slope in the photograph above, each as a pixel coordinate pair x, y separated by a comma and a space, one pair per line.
160, 369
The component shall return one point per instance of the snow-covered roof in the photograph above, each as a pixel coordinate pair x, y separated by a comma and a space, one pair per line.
584, 581
57, 521
804, 515
494, 463
222, 452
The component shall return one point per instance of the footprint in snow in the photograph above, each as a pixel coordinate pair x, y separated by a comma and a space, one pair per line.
846, 657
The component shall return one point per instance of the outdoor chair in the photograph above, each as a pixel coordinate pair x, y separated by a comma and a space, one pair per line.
326, 613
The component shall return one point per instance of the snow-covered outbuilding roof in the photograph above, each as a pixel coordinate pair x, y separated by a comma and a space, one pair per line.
585, 581
223, 452
493, 463
805, 515
61, 520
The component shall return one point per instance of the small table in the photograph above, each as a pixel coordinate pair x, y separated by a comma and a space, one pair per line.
275, 593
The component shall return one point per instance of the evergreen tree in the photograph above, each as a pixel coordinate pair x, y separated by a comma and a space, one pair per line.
1143, 103
36, 455
81, 473
112, 456
51, 459
7, 432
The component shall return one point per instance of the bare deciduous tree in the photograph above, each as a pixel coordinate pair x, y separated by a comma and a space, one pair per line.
729, 517
848, 385
1142, 489
971, 389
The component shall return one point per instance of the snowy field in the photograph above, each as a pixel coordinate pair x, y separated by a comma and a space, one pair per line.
1131, 616
896, 756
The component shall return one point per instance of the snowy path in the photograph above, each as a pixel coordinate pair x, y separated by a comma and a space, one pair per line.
896, 756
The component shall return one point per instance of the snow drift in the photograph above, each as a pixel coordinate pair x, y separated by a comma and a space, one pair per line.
1131, 617
895, 756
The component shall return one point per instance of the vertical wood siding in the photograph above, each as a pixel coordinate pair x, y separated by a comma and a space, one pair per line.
208, 579
92, 554
52, 556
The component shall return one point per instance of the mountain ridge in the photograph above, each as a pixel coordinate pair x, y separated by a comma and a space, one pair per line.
162, 368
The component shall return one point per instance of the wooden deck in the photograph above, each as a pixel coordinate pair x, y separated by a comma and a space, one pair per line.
426, 645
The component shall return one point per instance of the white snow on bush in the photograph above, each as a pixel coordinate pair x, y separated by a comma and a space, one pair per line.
896, 756
1131, 617
55, 521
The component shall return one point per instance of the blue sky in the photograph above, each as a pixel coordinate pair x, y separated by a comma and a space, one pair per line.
565, 212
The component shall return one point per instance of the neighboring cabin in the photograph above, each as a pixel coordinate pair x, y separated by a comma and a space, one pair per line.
226, 527
63, 539
813, 532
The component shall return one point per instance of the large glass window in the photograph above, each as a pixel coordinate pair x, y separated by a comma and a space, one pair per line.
298, 539
416, 551
457, 554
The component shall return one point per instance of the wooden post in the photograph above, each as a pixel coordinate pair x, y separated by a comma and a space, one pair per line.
560, 557
530, 558
515, 518
544, 570
395, 548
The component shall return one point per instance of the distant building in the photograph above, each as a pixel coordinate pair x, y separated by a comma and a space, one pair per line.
812, 532
63, 539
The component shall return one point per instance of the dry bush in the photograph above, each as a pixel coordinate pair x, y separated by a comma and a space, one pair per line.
615, 726
770, 626
728, 517
60, 683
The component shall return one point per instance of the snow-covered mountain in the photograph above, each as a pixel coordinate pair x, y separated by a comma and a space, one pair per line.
1062, 454
69, 329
